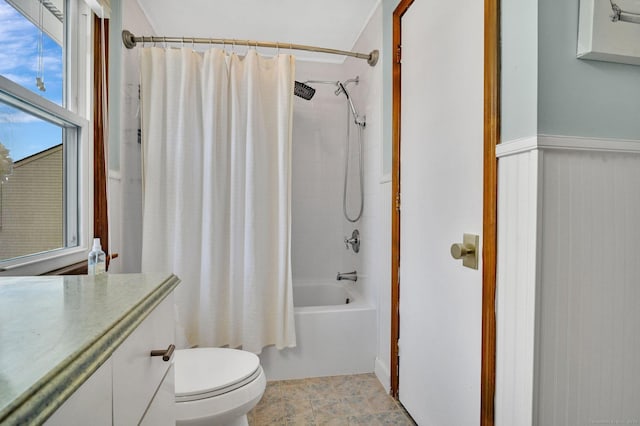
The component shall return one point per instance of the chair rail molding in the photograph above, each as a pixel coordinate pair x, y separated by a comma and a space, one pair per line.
579, 143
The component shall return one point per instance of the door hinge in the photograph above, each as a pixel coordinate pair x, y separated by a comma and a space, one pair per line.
399, 54
398, 201
398, 347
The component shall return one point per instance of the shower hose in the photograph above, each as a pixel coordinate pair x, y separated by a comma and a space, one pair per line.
346, 168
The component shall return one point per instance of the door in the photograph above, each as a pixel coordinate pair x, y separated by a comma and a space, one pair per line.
441, 185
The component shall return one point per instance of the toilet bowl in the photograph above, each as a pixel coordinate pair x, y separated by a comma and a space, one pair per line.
216, 386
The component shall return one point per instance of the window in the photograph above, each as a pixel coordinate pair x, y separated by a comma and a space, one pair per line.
45, 154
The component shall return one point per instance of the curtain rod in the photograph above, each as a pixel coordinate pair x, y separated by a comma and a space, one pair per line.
130, 40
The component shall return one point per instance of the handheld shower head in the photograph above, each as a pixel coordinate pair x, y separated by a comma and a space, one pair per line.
356, 117
342, 89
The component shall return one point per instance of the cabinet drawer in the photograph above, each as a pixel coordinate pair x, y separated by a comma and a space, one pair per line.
137, 375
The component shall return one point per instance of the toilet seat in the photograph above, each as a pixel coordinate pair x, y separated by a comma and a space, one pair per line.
209, 372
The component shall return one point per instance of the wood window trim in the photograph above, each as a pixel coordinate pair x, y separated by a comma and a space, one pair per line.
490, 184
100, 217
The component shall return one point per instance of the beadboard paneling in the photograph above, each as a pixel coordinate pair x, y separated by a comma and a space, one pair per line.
516, 284
568, 282
589, 339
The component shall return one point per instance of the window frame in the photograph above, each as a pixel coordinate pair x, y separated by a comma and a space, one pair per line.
76, 115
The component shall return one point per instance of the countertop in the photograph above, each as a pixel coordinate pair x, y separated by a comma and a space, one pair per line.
56, 331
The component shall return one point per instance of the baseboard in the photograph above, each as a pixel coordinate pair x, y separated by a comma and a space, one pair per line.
382, 373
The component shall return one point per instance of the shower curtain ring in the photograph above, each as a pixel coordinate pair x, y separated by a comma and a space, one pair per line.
277, 48
165, 42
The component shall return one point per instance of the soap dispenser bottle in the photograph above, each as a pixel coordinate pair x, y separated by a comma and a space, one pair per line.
97, 261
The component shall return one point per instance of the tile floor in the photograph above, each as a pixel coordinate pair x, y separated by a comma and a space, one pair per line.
337, 401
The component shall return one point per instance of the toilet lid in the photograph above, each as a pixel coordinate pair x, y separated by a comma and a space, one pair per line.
207, 372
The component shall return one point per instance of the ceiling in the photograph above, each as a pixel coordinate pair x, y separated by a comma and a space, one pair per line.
326, 23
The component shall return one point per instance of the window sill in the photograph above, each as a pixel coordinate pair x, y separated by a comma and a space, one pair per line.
79, 268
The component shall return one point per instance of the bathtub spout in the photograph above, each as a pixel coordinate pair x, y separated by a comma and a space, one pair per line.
350, 276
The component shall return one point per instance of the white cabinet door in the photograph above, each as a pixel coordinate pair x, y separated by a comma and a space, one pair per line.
162, 410
90, 404
137, 375
441, 188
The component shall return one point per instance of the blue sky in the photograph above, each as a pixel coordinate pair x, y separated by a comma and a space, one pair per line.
22, 134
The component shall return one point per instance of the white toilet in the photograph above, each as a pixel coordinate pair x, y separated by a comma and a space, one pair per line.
216, 386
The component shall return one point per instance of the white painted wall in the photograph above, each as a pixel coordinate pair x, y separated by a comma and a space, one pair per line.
126, 205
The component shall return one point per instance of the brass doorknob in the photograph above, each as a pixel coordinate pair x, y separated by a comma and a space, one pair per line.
458, 251
467, 251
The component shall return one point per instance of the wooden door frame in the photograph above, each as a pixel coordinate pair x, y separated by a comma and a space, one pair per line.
490, 185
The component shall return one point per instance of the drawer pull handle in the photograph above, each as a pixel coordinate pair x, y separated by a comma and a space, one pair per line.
164, 353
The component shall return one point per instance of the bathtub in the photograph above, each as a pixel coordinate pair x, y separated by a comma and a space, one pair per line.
335, 333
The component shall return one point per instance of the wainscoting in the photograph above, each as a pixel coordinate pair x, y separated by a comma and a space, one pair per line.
568, 286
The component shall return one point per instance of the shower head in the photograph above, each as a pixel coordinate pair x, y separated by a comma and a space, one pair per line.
303, 91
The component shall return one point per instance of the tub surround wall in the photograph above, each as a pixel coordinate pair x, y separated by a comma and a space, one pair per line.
375, 225
319, 227
317, 246
567, 294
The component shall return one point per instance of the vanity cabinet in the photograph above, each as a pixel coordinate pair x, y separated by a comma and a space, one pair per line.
131, 387
77, 350
91, 404
136, 375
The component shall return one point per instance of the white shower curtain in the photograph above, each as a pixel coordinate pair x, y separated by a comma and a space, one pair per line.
216, 136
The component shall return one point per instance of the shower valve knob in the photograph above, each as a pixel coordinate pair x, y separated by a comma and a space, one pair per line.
354, 241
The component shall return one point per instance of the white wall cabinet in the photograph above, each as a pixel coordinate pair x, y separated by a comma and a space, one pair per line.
131, 387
